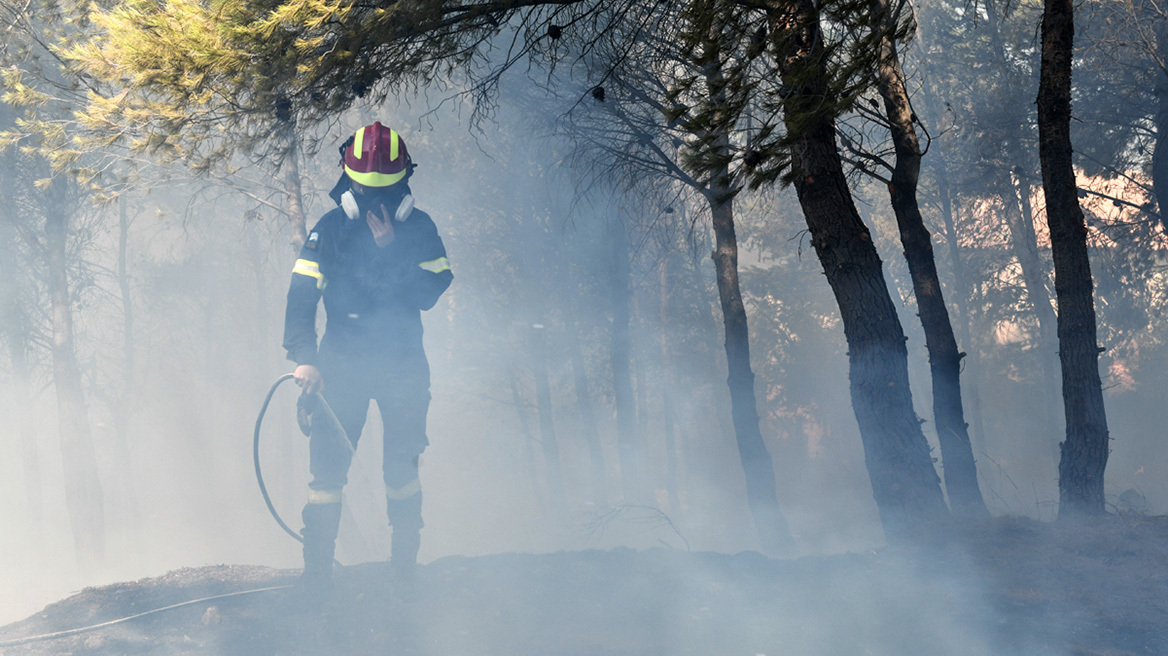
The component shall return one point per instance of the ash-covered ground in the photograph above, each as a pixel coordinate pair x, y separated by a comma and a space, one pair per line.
1002, 587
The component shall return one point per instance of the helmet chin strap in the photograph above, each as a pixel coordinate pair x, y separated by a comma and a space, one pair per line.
404, 209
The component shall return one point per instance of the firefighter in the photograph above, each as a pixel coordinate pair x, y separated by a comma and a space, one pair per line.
378, 263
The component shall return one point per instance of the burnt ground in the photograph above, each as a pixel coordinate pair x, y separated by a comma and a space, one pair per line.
1003, 587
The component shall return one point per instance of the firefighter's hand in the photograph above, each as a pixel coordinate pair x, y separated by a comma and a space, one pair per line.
382, 227
308, 377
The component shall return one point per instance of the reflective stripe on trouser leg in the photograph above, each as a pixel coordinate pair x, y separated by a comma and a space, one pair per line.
406, 491
324, 496
403, 491
404, 512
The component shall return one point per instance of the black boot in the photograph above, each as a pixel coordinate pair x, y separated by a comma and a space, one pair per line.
321, 521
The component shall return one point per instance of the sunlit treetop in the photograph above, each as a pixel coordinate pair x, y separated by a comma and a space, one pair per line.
199, 81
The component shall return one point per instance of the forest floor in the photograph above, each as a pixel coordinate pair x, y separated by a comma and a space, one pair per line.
1006, 586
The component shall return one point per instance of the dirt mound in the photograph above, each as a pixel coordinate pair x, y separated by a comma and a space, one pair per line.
1004, 587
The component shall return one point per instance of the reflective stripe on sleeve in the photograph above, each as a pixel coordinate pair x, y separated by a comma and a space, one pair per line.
409, 490
312, 270
324, 496
307, 268
436, 266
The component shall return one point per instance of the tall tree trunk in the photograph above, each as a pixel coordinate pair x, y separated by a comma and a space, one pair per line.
904, 482
293, 189
1025, 242
1160, 150
628, 442
757, 466
547, 425
962, 297
1020, 221
83, 493
1084, 453
667, 415
15, 327
944, 358
126, 395
587, 418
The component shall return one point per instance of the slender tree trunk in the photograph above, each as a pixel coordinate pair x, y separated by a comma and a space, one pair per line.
15, 327
667, 423
83, 492
641, 390
757, 466
628, 441
126, 396
964, 292
1025, 242
547, 425
587, 418
944, 358
293, 190
1084, 453
1020, 221
1160, 150
904, 482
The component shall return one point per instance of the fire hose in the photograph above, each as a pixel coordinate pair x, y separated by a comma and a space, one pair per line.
322, 412
325, 414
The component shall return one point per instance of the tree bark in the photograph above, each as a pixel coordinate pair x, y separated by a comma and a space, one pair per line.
1084, 453
757, 465
944, 358
964, 293
904, 482
547, 425
1020, 222
83, 492
1160, 150
293, 190
587, 418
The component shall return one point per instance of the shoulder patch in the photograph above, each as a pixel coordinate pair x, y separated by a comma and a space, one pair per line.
313, 240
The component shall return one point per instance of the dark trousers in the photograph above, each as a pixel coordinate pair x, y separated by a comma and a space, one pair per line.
402, 394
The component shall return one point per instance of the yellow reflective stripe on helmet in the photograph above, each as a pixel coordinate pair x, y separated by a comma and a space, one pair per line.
436, 266
393, 140
308, 268
410, 489
357, 142
375, 179
324, 496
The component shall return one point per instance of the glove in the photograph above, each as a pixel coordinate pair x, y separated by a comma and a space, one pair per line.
305, 406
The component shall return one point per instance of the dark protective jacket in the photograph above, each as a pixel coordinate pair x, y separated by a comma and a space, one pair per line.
373, 297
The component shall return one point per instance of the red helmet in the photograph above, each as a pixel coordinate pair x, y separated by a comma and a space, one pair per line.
376, 157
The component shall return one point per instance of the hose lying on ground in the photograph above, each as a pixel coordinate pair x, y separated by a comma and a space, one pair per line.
93, 627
